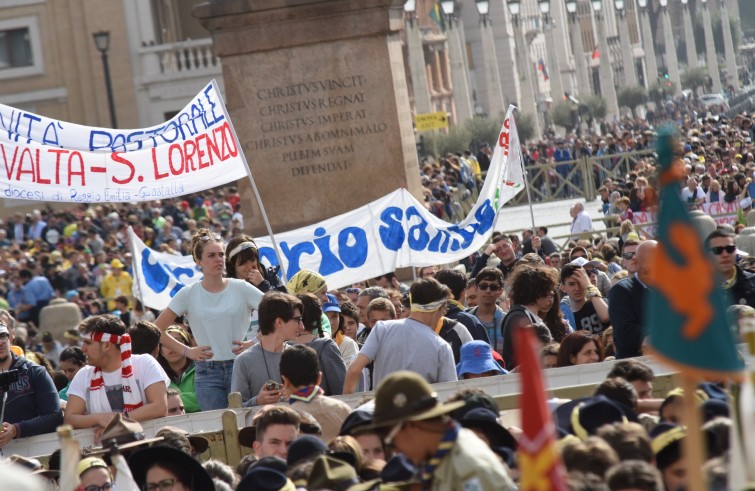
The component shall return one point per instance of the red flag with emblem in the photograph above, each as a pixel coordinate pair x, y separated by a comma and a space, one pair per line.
540, 463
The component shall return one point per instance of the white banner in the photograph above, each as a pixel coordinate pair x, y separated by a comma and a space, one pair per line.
392, 232
188, 158
157, 275
723, 213
398, 231
204, 112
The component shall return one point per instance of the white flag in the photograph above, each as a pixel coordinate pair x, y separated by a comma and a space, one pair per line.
159, 276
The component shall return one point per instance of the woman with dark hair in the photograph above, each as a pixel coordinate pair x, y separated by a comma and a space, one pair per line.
331, 362
554, 319
72, 360
532, 292
580, 348
180, 369
242, 261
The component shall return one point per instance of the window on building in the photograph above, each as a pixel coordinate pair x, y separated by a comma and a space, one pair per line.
15, 48
20, 48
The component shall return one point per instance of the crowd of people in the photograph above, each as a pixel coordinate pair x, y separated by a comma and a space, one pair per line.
291, 346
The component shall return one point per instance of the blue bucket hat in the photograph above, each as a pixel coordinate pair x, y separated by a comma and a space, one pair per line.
331, 305
477, 357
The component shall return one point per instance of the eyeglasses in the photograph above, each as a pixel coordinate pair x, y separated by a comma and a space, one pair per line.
164, 485
590, 271
298, 319
628, 255
105, 487
488, 286
720, 249
352, 290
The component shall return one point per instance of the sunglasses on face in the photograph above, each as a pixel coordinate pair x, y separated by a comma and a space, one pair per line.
629, 255
488, 286
720, 249
590, 271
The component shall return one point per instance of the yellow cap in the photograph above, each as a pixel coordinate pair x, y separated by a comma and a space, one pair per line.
90, 463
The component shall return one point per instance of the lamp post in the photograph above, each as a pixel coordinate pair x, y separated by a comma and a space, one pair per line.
490, 59
731, 62
528, 104
651, 65
689, 37
607, 86
583, 82
630, 72
710, 51
417, 70
462, 100
557, 86
672, 63
102, 42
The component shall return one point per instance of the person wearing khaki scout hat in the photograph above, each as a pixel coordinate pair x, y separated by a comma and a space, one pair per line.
416, 424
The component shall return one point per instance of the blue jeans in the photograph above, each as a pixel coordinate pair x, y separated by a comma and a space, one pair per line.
212, 383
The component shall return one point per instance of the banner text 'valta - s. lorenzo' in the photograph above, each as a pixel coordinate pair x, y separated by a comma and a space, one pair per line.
199, 154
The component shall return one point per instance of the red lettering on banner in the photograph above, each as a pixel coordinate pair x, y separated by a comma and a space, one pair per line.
80, 172
197, 153
8, 171
200, 153
21, 160
58, 152
190, 149
40, 179
503, 138
132, 170
173, 170
158, 176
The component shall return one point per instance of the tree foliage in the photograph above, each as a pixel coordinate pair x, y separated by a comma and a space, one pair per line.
593, 107
525, 126
692, 78
562, 114
661, 91
632, 97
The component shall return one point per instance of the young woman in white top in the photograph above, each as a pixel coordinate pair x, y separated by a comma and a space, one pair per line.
218, 311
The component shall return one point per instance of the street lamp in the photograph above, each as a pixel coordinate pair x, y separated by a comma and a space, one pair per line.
545, 7
102, 42
410, 6
685, 2
644, 3
447, 6
571, 7
597, 6
483, 7
514, 9
619, 4
664, 3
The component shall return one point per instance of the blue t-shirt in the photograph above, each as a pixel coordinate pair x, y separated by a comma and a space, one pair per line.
38, 289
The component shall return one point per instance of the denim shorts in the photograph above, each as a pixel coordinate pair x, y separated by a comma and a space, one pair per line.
212, 383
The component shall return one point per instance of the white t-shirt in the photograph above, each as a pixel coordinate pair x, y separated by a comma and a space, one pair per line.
147, 371
218, 319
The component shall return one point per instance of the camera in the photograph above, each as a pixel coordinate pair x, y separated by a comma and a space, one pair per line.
272, 385
7, 378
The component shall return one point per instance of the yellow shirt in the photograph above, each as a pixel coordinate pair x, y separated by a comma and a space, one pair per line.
113, 286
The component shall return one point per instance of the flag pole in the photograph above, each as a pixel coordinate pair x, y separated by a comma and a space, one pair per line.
526, 184
693, 442
254, 184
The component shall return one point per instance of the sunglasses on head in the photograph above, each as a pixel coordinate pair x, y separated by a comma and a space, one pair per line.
488, 286
720, 249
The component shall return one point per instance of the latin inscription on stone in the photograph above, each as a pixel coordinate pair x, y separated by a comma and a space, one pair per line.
312, 126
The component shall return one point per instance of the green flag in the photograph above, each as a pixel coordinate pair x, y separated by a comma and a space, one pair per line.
436, 14
687, 320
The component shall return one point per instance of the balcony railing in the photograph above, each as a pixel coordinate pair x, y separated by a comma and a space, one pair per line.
185, 58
